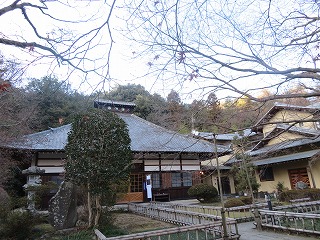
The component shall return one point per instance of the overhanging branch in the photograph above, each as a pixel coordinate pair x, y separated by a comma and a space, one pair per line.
15, 6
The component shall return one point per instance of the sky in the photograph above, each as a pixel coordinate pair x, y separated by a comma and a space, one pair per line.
124, 67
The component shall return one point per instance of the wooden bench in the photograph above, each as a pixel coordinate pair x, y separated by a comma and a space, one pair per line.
161, 197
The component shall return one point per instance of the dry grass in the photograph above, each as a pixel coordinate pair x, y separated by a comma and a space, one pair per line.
133, 223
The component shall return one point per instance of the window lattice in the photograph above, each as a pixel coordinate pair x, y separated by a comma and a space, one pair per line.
156, 182
136, 183
176, 179
187, 179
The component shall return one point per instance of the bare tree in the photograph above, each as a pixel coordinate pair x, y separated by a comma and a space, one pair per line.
16, 113
15, 107
73, 35
238, 46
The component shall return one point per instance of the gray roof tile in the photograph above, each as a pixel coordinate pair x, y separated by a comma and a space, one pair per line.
145, 137
280, 106
258, 154
52, 139
284, 145
286, 158
225, 136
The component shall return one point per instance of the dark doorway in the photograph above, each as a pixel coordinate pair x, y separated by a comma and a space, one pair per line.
225, 182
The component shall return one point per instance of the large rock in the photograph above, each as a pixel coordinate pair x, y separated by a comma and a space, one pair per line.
63, 207
301, 185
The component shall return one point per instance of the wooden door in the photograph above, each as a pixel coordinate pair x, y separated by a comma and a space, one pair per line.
298, 175
135, 191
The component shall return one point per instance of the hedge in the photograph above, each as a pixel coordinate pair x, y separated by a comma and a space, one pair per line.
312, 193
234, 202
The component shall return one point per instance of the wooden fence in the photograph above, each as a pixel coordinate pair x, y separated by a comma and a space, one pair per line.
241, 213
181, 217
204, 222
297, 222
305, 207
194, 232
197, 226
298, 217
174, 216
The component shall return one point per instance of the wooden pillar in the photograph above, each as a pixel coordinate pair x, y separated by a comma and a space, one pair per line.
311, 175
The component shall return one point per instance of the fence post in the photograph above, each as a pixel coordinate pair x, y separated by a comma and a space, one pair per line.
257, 218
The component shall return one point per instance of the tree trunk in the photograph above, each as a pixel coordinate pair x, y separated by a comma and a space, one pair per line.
98, 210
248, 180
89, 208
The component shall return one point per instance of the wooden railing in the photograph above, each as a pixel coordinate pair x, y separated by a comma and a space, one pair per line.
305, 207
194, 232
242, 213
191, 208
181, 217
298, 217
292, 221
206, 220
171, 215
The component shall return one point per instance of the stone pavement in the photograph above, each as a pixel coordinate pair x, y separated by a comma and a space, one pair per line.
248, 232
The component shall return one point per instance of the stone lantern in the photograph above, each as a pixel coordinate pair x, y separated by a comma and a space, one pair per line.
33, 181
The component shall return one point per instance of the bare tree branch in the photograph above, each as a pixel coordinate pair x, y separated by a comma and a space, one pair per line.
79, 41
21, 6
228, 49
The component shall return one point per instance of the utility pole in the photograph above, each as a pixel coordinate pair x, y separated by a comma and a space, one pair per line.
223, 212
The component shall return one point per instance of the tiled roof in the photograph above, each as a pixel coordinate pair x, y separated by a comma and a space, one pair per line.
286, 128
225, 136
145, 137
300, 130
286, 158
52, 139
295, 143
111, 102
284, 145
280, 106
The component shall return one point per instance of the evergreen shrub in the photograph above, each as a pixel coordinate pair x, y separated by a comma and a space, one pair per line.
234, 202
203, 192
19, 225
246, 200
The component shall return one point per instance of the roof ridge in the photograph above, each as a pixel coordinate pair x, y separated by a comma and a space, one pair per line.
48, 130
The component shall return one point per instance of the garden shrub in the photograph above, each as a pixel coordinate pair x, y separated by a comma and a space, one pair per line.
107, 218
312, 193
246, 200
18, 225
203, 192
233, 202
80, 235
18, 202
7, 206
4, 197
280, 187
4, 204
288, 195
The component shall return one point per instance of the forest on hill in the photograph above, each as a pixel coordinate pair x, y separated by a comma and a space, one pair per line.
47, 103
